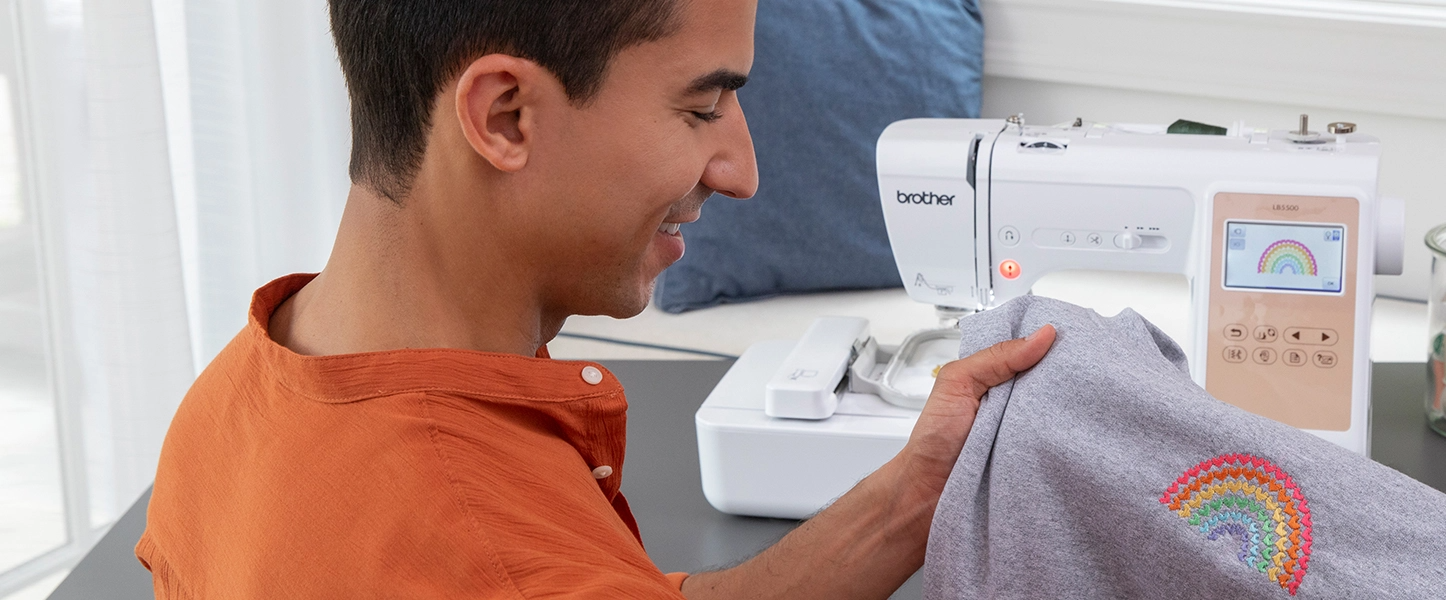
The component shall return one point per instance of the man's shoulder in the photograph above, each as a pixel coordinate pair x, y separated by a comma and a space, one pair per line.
252, 468
249, 433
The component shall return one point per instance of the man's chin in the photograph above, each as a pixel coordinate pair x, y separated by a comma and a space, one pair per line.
624, 303
638, 303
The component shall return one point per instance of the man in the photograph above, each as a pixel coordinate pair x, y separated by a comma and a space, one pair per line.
393, 427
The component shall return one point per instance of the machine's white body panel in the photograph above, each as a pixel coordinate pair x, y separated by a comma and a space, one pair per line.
967, 202
935, 161
753, 464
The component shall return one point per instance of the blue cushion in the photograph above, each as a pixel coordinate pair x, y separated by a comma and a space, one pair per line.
828, 77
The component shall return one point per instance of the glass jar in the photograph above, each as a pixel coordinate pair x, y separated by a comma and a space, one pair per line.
1436, 308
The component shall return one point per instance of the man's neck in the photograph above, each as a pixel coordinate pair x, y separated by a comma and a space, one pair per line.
387, 286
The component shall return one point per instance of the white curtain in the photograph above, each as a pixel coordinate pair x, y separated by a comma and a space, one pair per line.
179, 153
96, 170
101, 180
271, 141
128, 317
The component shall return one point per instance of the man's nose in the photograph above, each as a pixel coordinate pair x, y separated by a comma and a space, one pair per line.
733, 171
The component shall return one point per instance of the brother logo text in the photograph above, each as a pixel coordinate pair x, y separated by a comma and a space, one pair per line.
926, 198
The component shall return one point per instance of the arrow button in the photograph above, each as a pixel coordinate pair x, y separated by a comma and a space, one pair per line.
1311, 336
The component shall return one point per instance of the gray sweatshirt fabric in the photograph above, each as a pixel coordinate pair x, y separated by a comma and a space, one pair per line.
1105, 472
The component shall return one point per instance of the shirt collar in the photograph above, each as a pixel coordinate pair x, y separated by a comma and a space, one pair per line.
353, 377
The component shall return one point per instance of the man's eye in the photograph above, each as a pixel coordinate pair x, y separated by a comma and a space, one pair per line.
707, 117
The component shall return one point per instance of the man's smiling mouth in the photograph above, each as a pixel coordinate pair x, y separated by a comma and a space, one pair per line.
669, 228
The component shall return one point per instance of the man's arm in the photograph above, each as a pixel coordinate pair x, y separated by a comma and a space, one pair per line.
872, 539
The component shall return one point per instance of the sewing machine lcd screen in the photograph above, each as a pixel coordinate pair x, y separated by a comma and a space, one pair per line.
1284, 256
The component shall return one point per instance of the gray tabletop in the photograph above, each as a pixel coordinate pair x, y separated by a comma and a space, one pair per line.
683, 533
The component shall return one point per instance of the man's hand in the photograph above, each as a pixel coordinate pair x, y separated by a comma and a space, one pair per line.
939, 436
872, 539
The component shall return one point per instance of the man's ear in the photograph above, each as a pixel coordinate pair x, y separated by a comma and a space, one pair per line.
496, 99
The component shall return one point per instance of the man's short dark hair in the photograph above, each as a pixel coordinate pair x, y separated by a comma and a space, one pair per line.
397, 55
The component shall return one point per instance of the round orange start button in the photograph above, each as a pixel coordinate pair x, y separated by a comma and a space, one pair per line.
1009, 269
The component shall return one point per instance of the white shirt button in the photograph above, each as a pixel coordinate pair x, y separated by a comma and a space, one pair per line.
602, 472
592, 376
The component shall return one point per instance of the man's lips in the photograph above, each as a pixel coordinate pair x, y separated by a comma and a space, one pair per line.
669, 242
671, 227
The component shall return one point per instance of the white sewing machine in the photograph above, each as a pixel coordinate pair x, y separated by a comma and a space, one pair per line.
1279, 232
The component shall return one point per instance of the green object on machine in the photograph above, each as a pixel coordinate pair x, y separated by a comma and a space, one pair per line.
1193, 128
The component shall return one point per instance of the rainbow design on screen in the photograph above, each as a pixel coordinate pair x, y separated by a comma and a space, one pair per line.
1288, 257
1252, 501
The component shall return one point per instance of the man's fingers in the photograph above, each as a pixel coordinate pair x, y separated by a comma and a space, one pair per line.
944, 425
972, 376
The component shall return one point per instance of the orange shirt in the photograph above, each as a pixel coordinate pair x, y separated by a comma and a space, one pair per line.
401, 474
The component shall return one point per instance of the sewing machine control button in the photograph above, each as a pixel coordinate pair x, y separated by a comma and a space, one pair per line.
1094, 239
592, 375
1266, 334
1294, 357
1127, 241
1009, 236
1235, 332
1325, 360
1235, 354
1009, 269
602, 472
1067, 238
1311, 337
1264, 356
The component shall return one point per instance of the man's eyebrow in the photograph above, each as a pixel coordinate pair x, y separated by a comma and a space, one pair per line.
722, 79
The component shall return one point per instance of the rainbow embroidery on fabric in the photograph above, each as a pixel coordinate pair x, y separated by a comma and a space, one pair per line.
1256, 503
1288, 257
